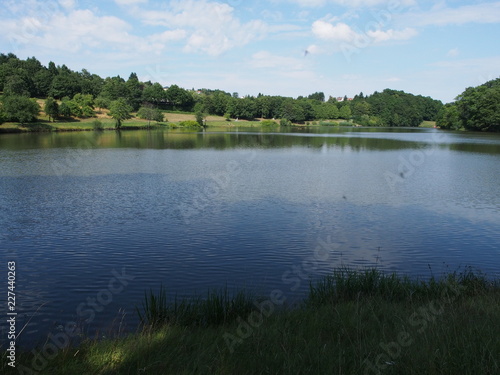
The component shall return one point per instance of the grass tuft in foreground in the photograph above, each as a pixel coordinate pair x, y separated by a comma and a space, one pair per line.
219, 307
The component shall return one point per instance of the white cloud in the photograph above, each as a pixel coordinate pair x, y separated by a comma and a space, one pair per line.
339, 32
379, 36
81, 30
211, 27
67, 4
440, 16
343, 33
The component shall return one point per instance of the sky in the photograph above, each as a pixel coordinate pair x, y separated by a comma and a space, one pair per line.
274, 47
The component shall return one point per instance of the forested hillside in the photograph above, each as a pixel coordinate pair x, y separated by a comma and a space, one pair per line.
71, 94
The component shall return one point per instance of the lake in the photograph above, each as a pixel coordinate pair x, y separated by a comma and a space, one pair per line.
93, 220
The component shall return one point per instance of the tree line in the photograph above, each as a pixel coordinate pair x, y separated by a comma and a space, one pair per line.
477, 109
79, 94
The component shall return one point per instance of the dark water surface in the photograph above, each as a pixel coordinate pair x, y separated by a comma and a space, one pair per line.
92, 220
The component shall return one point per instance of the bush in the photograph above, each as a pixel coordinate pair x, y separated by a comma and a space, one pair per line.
97, 125
285, 122
190, 124
269, 123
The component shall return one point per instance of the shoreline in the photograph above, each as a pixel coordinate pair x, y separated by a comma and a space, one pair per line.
362, 321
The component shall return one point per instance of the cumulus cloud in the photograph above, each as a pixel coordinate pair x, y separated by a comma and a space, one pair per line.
211, 27
341, 32
383, 36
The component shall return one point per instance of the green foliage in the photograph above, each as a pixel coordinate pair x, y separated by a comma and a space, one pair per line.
150, 114
292, 110
479, 108
345, 112
115, 88
20, 108
326, 110
319, 96
154, 94
269, 123
449, 118
397, 108
190, 124
200, 119
120, 111
285, 122
245, 108
16, 85
179, 98
97, 125
219, 307
51, 108
101, 102
64, 108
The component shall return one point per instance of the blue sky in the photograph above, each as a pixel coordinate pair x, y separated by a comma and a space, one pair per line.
276, 47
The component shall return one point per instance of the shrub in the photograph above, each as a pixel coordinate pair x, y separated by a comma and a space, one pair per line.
285, 122
190, 124
97, 125
268, 123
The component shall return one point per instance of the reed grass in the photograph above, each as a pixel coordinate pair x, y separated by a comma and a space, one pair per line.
219, 307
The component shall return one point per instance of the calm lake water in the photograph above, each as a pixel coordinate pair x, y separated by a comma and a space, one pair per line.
93, 220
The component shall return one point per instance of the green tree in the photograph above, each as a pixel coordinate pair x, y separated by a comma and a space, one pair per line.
448, 117
20, 108
51, 108
319, 96
151, 114
135, 91
200, 118
42, 81
345, 112
479, 107
101, 102
179, 98
120, 111
115, 88
292, 110
154, 94
17, 86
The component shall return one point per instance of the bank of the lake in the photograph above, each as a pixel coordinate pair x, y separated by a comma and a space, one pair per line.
352, 322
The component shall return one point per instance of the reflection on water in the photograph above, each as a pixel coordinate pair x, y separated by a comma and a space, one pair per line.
242, 208
216, 138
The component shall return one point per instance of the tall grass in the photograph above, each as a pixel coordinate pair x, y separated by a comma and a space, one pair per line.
219, 307
353, 322
345, 284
